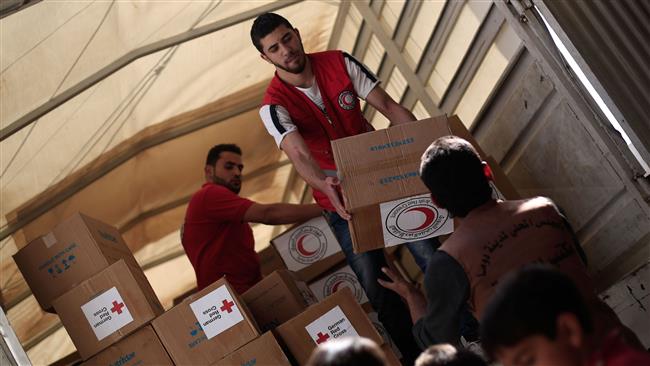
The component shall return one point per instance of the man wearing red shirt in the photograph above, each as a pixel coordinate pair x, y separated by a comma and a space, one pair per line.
216, 235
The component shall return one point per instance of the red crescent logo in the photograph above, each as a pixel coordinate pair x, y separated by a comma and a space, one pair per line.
428, 213
347, 100
301, 248
336, 286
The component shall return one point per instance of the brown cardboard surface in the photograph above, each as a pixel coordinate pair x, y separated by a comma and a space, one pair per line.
185, 340
299, 342
140, 348
264, 350
365, 162
136, 297
382, 166
73, 251
391, 358
277, 298
318, 268
270, 260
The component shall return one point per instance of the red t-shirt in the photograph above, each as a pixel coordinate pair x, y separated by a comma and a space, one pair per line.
615, 352
216, 240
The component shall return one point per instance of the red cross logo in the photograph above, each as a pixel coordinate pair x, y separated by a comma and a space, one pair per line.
227, 306
322, 338
117, 308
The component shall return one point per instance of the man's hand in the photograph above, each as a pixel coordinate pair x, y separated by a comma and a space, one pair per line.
330, 190
397, 284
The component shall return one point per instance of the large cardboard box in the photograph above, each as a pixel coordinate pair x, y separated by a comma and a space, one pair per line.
76, 249
270, 260
337, 316
107, 307
277, 298
381, 185
141, 348
309, 249
206, 326
264, 350
336, 279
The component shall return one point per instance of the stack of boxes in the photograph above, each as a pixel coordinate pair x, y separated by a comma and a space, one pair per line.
83, 271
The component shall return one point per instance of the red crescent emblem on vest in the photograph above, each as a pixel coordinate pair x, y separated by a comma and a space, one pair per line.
301, 248
430, 216
347, 100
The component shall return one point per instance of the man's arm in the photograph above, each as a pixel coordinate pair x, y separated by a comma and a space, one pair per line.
296, 149
382, 102
280, 213
415, 299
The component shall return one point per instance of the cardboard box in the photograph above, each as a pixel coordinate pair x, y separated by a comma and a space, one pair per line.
337, 279
381, 184
337, 316
76, 249
309, 249
391, 358
277, 298
264, 350
107, 307
140, 348
270, 260
206, 326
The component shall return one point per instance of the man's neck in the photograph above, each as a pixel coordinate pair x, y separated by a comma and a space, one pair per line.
303, 80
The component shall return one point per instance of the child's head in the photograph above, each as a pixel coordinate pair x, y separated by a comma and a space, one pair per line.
348, 351
536, 317
448, 355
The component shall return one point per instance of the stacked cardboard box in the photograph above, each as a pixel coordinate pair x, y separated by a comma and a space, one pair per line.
309, 249
277, 298
206, 326
140, 348
84, 271
336, 279
264, 350
337, 316
381, 186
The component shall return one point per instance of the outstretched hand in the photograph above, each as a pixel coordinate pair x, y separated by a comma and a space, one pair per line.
397, 283
330, 190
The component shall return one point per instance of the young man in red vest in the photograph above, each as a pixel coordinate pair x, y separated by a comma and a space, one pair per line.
216, 235
312, 100
493, 237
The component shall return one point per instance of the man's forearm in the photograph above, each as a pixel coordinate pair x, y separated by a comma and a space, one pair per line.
399, 115
417, 304
286, 213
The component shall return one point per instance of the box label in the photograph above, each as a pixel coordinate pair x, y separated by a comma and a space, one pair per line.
333, 324
216, 312
307, 244
413, 218
107, 313
335, 281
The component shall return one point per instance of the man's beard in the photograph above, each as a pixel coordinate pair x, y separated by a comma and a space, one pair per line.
298, 69
221, 182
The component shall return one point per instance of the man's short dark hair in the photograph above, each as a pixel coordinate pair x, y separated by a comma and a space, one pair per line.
215, 153
453, 171
527, 303
447, 355
264, 25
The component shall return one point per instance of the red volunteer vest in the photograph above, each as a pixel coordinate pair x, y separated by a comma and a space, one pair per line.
341, 109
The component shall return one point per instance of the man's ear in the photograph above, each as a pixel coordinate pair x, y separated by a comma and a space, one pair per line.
487, 171
208, 171
569, 330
